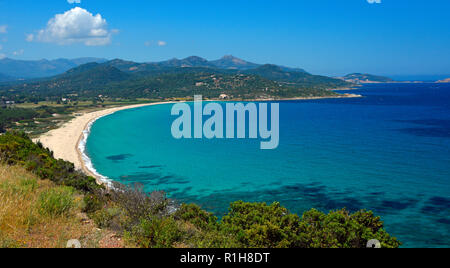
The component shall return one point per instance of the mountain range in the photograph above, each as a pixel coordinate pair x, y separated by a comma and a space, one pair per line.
228, 62
22, 69
120, 79
19, 69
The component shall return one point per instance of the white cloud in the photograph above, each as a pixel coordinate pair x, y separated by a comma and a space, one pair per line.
74, 1
76, 26
2, 56
18, 53
157, 43
29, 37
3, 29
374, 1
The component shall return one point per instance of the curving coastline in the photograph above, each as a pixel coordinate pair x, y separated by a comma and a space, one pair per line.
84, 159
69, 141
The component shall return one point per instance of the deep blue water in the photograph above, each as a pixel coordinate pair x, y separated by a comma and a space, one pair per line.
388, 152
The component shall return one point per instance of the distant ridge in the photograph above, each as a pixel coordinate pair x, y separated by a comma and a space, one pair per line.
119, 79
189, 62
227, 62
229, 65
290, 76
6, 78
231, 62
22, 69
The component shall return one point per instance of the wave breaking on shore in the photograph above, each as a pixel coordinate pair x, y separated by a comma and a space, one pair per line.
87, 162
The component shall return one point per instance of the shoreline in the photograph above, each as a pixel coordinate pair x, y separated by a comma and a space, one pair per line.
66, 141
341, 96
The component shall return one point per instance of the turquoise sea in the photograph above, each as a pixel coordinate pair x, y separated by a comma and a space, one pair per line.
388, 152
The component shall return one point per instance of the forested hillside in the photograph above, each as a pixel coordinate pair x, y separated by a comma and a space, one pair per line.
119, 79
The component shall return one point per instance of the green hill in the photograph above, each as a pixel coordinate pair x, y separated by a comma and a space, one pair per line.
83, 80
233, 63
301, 79
120, 79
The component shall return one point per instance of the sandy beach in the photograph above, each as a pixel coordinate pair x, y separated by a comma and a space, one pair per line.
64, 140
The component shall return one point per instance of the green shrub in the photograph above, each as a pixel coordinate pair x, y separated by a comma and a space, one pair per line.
93, 203
201, 229
56, 201
198, 217
16, 148
213, 239
103, 218
340, 229
138, 204
258, 225
156, 233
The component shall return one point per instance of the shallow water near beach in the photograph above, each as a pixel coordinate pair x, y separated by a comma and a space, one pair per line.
388, 152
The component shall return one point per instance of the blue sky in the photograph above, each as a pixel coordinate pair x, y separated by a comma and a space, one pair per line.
333, 37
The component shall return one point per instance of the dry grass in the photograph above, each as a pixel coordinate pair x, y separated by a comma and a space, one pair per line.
23, 222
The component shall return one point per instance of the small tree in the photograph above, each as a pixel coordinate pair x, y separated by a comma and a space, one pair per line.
258, 225
340, 229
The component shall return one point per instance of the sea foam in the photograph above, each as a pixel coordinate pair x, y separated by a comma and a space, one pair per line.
86, 159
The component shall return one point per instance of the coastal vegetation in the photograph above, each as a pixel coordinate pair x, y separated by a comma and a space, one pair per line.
39, 117
45, 202
37, 120
39, 213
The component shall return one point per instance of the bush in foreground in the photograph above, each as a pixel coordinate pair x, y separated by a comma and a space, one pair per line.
18, 148
258, 225
25, 224
340, 229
